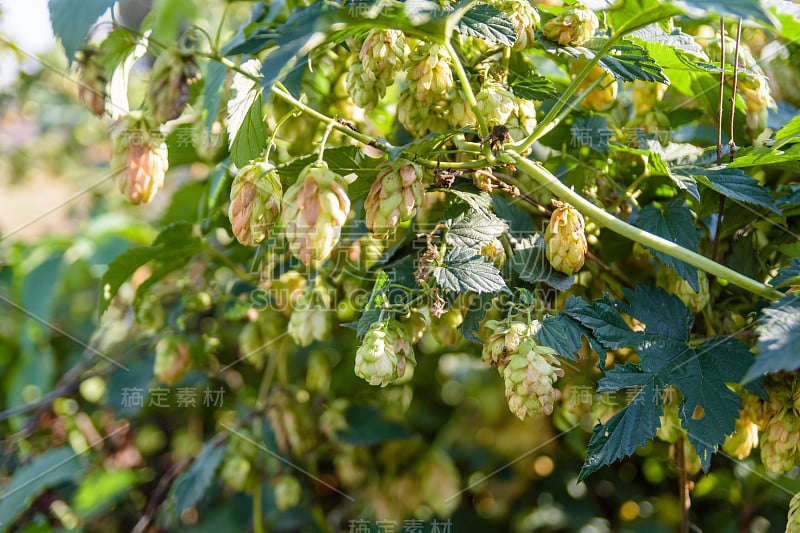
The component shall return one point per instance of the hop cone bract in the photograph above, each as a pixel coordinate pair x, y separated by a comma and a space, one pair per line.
429, 76
573, 26
168, 93
529, 377
140, 157
379, 60
311, 317
255, 202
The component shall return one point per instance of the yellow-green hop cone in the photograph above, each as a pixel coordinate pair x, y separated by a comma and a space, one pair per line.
670, 428
674, 284
793, 518
140, 158
440, 480
496, 103
312, 316
757, 95
428, 73
605, 92
744, 438
525, 19
235, 472
573, 26
504, 342
379, 60
168, 92
385, 355
529, 377
314, 210
566, 239
522, 121
172, 359
779, 442
417, 118
288, 492
394, 196
92, 81
460, 113
255, 203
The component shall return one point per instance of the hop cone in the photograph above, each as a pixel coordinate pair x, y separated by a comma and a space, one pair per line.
255, 203
744, 438
670, 428
460, 113
140, 155
172, 359
314, 210
529, 377
793, 519
428, 74
394, 196
380, 59
235, 472
440, 479
418, 119
385, 355
92, 82
674, 284
168, 93
504, 342
522, 121
525, 19
288, 492
779, 442
311, 318
496, 103
566, 240
605, 92
573, 26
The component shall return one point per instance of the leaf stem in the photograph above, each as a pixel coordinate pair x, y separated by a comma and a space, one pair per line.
604, 219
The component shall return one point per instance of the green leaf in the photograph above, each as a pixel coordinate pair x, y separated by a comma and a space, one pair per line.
675, 223
754, 156
735, 184
602, 319
488, 23
373, 310
474, 228
788, 276
464, 270
631, 15
746, 9
519, 221
533, 86
47, 470
791, 129
174, 244
474, 317
72, 20
661, 313
188, 488
368, 428
674, 50
628, 61
101, 490
530, 262
213, 86
251, 137
778, 338
564, 335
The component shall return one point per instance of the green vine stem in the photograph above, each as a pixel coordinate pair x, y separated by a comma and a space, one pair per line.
601, 217
467, 88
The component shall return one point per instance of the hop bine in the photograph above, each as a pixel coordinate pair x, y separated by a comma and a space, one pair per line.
385, 355
168, 93
255, 202
565, 239
314, 210
394, 196
140, 157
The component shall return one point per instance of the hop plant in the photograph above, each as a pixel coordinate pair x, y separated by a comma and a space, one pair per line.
460, 113
168, 93
744, 438
440, 479
793, 518
92, 81
496, 103
522, 121
529, 377
172, 359
525, 19
394, 196
419, 119
674, 284
504, 341
573, 26
288, 492
385, 355
604, 94
428, 73
379, 60
140, 157
314, 210
235, 472
311, 318
779, 442
566, 239
255, 202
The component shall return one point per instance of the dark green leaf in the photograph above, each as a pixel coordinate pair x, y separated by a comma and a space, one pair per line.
791, 129
251, 137
629, 62
213, 85
675, 223
367, 428
778, 338
519, 221
601, 317
47, 470
631, 15
530, 262
737, 185
564, 335
788, 276
746, 9
464, 270
661, 313
488, 23
373, 311
474, 317
474, 228
753, 156
72, 20
188, 488
532, 86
